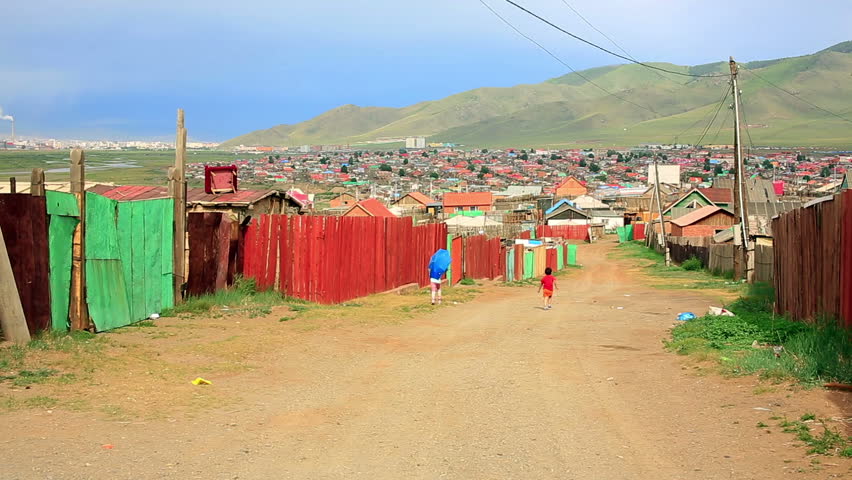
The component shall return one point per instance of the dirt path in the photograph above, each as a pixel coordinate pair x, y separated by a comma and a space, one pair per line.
496, 388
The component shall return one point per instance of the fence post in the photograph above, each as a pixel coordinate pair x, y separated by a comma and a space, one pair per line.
12, 320
37, 182
13, 186
78, 311
177, 187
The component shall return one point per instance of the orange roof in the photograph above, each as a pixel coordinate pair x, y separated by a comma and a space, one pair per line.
373, 207
421, 198
698, 215
468, 199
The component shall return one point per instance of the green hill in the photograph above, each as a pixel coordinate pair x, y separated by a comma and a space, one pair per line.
569, 110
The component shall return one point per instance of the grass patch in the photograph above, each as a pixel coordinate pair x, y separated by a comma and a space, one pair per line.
692, 264
242, 297
467, 281
811, 353
689, 275
827, 442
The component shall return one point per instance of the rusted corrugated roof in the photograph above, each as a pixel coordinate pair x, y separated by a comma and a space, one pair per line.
193, 195
126, 193
698, 215
198, 195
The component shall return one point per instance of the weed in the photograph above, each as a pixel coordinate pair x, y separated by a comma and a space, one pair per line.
467, 281
41, 402
846, 452
30, 377
143, 324
299, 308
762, 425
285, 319
242, 295
828, 442
692, 264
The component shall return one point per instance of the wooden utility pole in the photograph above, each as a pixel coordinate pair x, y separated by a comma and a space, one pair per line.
664, 242
741, 258
37, 182
178, 189
12, 320
78, 311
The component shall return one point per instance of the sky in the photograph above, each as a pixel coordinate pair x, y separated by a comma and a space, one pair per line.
119, 69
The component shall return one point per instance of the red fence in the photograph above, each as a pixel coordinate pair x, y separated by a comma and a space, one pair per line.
638, 231
568, 232
334, 259
812, 260
23, 219
457, 268
483, 257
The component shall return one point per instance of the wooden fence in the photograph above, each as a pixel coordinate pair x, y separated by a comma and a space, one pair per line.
483, 257
812, 260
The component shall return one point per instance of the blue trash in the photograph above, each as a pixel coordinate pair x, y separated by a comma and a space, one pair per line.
686, 316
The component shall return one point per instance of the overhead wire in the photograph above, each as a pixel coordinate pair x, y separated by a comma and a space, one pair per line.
569, 67
794, 95
716, 114
725, 93
604, 49
590, 24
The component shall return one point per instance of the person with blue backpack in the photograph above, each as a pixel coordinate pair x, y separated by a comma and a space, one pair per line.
438, 266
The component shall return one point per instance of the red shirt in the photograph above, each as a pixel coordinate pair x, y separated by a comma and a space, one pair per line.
547, 282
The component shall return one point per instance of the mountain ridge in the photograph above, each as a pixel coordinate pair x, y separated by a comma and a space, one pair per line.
568, 110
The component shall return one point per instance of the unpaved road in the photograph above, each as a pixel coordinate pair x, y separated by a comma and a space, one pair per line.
493, 389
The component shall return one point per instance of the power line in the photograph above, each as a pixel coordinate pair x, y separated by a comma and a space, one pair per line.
709, 125
611, 40
795, 96
566, 32
725, 93
569, 67
722, 124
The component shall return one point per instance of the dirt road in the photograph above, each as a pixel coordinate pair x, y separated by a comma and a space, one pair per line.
493, 389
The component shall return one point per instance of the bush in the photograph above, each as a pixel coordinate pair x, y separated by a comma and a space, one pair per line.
692, 264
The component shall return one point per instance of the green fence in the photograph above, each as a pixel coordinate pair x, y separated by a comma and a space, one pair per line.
129, 262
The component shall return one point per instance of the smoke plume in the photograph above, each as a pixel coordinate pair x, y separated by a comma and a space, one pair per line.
6, 117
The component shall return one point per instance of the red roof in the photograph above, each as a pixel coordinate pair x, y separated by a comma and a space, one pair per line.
698, 215
468, 199
718, 195
373, 207
193, 195
130, 192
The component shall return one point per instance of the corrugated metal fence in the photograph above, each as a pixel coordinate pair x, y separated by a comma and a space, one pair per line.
483, 257
813, 264
568, 232
335, 259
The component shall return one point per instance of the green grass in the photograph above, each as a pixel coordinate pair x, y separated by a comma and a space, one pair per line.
690, 275
131, 167
828, 441
242, 297
467, 281
812, 353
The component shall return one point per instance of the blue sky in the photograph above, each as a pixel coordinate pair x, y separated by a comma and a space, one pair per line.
120, 69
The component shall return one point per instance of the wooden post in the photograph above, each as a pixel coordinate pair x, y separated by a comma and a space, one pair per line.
13, 185
79, 312
12, 319
178, 189
37, 182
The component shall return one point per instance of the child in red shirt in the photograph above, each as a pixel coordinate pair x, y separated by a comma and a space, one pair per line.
548, 284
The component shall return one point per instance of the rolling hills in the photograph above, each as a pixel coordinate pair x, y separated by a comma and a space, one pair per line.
568, 110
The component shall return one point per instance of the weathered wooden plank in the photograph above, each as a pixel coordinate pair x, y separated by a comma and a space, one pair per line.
12, 320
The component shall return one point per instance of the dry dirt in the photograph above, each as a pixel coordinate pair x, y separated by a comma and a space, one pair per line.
493, 388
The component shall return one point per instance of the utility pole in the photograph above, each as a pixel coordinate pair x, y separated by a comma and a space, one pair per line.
178, 191
660, 213
741, 261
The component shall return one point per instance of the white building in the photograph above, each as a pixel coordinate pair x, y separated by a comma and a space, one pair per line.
415, 142
669, 174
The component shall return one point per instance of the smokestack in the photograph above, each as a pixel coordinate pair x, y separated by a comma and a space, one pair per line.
11, 119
